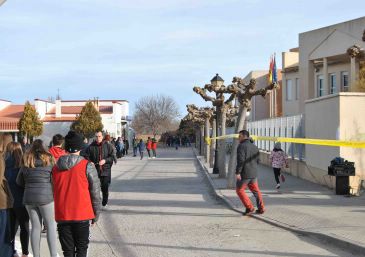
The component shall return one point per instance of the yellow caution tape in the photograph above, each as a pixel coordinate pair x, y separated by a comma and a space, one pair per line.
307, 141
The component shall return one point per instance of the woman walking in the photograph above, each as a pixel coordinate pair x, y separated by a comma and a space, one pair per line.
278, 161
6, 202
149, 147
18, 214
141, 146
35, 177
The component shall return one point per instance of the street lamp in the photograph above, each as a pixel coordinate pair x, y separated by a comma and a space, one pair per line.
217, 81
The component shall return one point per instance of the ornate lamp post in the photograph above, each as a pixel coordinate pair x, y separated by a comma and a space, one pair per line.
218, 102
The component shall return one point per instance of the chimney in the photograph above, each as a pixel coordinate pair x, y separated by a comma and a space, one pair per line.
58, 109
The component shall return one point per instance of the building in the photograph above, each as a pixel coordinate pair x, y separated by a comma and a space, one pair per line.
320, 82
271, 105
57, 117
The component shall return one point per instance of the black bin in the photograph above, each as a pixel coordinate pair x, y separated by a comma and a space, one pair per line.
342, 170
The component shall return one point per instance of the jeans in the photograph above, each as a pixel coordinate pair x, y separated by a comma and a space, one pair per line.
19, 217
277, 175
74, 238
252, 184
104, 184
149, 153
154, 152
134, 151
36, 213
5, 240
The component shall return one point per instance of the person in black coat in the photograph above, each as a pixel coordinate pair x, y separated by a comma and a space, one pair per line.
18, 214
246, 173
101, 153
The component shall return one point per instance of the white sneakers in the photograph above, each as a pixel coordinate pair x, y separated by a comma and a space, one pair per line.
278, 186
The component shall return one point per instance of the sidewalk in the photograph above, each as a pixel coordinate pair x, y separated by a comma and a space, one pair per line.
303, 207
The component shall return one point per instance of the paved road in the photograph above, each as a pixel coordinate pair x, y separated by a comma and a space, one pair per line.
163, 207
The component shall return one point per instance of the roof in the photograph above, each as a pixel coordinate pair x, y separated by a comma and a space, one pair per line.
90, 100
12, 113
77, 110
54, 119
217, 78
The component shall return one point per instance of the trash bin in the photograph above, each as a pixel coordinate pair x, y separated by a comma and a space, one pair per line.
342, 170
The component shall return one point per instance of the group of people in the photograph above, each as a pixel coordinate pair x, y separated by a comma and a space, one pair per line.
139, 146
58, 187
246, 171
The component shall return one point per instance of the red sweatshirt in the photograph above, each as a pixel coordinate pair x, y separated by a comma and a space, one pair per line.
57, 152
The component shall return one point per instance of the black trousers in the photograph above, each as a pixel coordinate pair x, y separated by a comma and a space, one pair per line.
19, 218
154, 152
277, 175
74, 238
149, 152
104, 184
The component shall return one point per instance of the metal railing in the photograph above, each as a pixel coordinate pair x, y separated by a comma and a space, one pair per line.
292, 126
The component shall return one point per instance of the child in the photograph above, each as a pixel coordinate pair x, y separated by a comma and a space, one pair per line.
278, 159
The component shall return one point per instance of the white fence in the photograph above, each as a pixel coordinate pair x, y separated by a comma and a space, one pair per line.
292, 126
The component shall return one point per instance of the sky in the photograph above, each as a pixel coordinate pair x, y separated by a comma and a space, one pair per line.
123, 49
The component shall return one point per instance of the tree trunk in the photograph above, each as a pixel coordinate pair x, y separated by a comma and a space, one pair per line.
233, 157
202, 140
212, 143
222, 146
207, 147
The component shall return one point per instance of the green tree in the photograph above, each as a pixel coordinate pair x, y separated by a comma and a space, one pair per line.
29, 124
88, 122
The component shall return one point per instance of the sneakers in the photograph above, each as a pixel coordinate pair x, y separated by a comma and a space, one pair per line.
105, 207
282, 177
44, 230
249, 211
153, 157
260, 211
277, 186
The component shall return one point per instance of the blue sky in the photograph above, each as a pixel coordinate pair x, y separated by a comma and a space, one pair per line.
122, 49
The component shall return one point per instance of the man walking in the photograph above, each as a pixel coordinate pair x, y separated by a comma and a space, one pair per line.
135, 146
246, 173
76, 197
101, 154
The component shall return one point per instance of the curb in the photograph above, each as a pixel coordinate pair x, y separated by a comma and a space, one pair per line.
335, 241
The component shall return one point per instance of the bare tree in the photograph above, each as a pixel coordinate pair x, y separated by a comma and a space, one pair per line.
155, 115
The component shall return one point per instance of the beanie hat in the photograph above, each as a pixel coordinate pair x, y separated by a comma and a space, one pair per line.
277, 145
74, 142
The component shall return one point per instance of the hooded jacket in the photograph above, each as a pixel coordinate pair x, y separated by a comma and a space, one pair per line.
76, 189
57, 152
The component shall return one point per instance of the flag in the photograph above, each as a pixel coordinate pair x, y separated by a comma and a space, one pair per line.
270, 77
274, 72
273, 77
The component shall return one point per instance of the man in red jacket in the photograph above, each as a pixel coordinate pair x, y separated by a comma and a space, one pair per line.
56, 150
77, 198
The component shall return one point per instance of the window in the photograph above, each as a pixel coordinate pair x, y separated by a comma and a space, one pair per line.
345, 81
320, 88
289, 90
333, 89
297, 88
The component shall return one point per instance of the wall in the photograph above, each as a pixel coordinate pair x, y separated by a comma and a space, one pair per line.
337, 117
52, 128
352, 127
322, 121
290, 108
